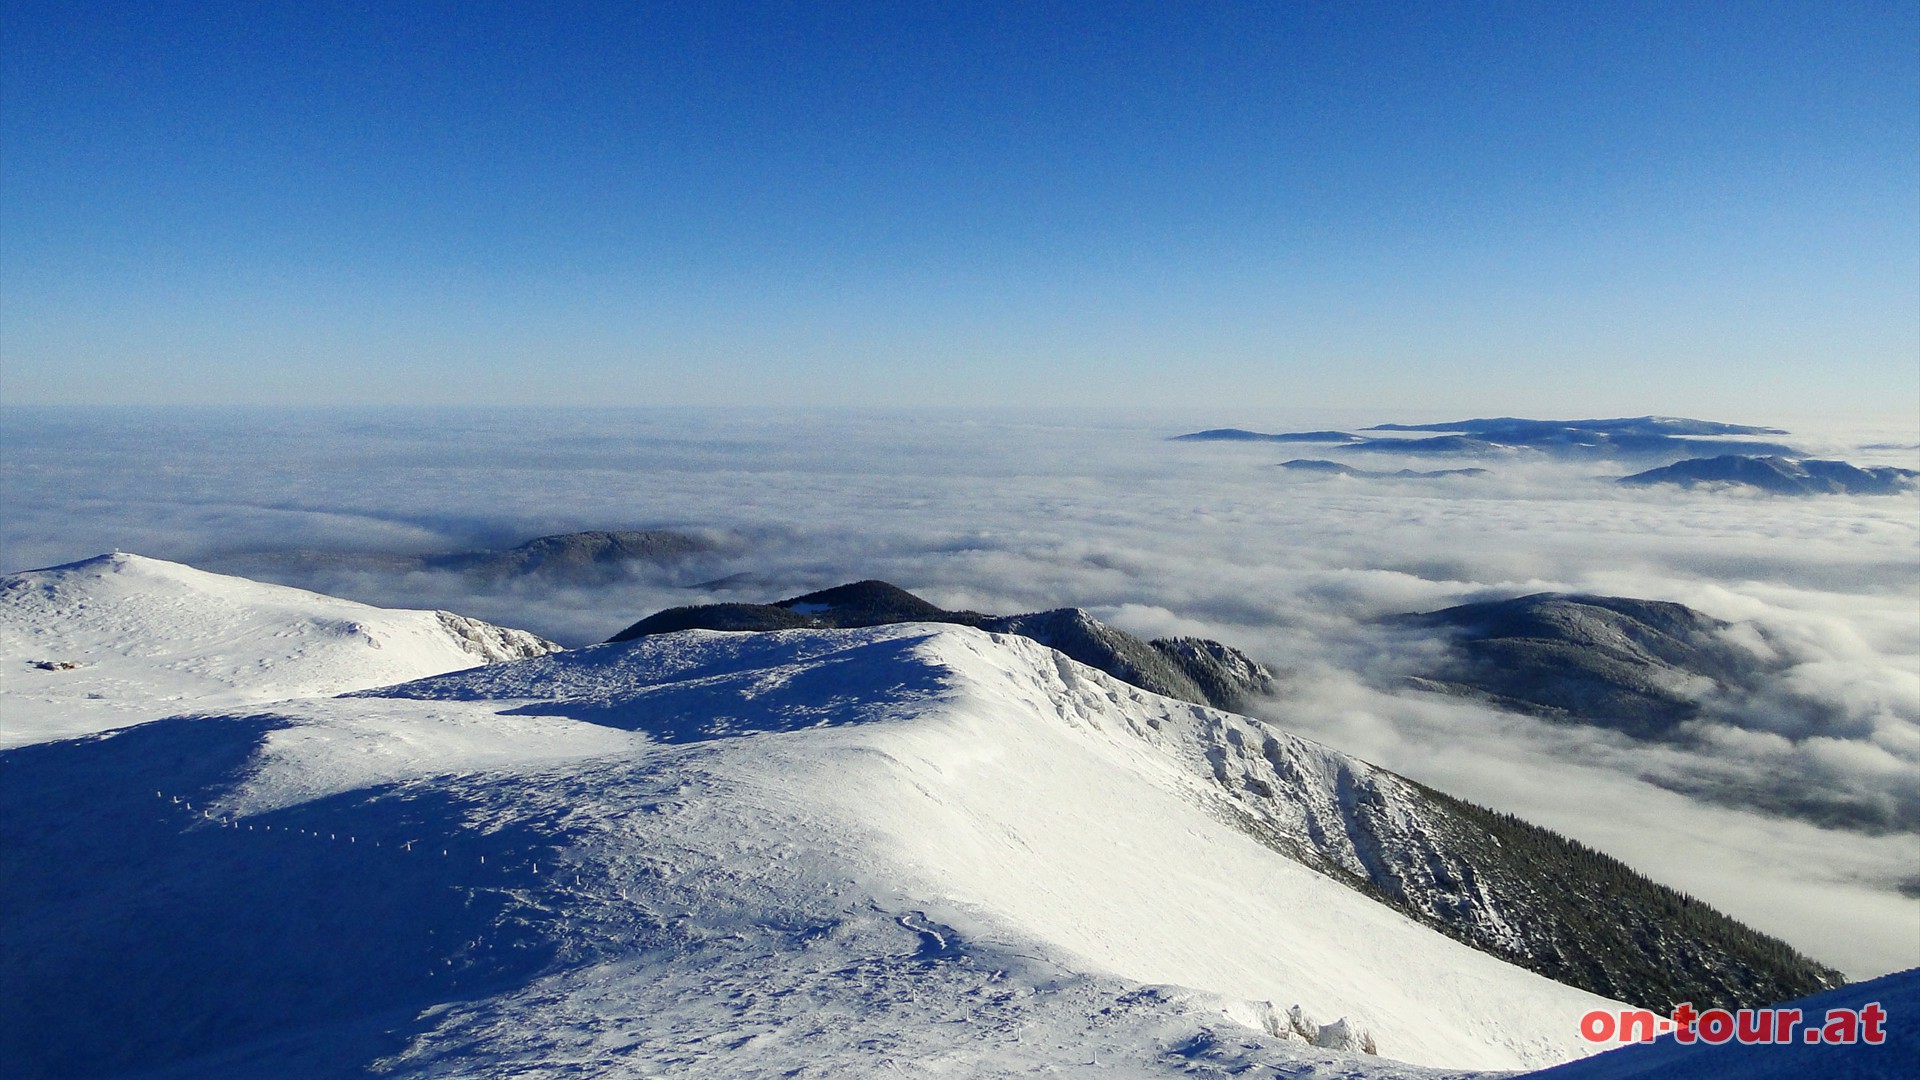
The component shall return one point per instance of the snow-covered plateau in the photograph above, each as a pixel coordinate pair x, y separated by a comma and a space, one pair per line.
907, 850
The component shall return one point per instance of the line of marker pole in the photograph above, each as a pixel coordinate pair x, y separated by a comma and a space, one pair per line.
331, 836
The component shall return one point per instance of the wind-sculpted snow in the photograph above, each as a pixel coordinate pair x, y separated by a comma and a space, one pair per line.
703, 685
142, 930
933, 732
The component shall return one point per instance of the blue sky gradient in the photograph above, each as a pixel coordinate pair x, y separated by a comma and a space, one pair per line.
1529, 208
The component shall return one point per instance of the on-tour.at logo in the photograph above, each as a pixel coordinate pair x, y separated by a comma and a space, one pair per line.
1749, 1027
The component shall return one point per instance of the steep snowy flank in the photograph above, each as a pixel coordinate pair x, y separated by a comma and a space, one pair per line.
1056, 803
121, 638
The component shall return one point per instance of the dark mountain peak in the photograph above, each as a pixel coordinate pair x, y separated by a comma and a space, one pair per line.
1053, 620
1223, 435
1316, 436
1781, 475
717, 617
1317, 465
1646, 669
868, 603
595, 556
1226, 676
859, 603
1191, 669
604, 545
1562, 614
1641, 667
1084, 638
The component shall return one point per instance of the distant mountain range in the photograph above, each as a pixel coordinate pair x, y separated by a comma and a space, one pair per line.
1634, 437
1192, 669
1781, 475
1518, 430
1335, 468
581, 558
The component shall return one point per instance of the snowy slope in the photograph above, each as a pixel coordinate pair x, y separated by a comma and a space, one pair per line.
148, 638
913, 849
918, 849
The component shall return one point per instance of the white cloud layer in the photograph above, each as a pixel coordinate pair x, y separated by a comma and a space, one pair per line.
1019, 511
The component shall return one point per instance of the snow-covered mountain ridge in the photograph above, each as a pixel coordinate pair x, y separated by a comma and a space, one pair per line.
911, 849
1510, 889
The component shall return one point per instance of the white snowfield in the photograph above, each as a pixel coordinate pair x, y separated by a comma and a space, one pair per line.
147, 638
913, 850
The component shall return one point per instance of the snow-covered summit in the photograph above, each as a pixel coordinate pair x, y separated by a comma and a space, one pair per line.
121, 638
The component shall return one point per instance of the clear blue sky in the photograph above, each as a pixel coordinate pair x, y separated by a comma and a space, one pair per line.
1546, 208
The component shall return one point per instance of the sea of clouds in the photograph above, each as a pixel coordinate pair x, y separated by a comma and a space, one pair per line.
1796, 809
